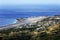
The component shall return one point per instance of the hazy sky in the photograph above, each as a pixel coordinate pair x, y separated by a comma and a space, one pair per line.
23, 2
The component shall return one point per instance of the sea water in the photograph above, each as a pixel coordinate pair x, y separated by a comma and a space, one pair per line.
6, 21
8, 14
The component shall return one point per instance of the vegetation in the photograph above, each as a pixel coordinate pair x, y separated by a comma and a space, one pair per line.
50, 32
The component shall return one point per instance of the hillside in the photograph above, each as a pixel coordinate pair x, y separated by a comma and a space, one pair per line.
46, 29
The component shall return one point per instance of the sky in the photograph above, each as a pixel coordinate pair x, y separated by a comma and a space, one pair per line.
25, 2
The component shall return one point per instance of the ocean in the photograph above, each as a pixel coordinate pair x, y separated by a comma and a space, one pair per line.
8, 14
28, 14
